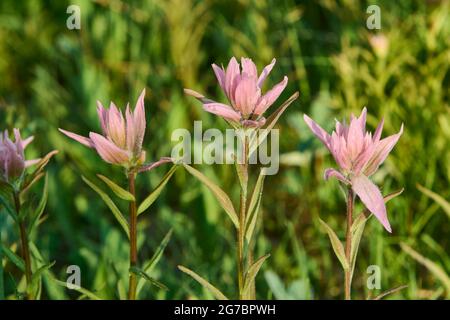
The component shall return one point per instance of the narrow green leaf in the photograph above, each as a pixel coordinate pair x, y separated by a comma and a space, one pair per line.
242, 175
8, 208
31, 182
145, 276
252, 272
118, 190
390, 291
14, 258
38, 273
220, 195
270, 123
357, 231
338, 248
35, 286
83, 291
44, 161
253, 207
155, 259
392, 195
208, 286
445, 205
155, 193
112, 206
40, 208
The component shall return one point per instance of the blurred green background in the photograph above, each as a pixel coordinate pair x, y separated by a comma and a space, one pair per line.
51, 77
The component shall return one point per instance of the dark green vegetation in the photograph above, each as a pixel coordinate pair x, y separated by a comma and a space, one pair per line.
51, 77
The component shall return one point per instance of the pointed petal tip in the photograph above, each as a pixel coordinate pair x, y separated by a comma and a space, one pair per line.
371, 197
193, 93
99, 104
142, 95
83, 140
388, 228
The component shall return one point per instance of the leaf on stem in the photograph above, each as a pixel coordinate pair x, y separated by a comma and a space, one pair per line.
220, 195
14, 258
252, 272
29, 184
112, 206
34, 220
253, 208
390, 291
392, 195
155, 193
36, 277
242, 175
358, 226
338, 248
357, 230
43, 162
155, 259
213, 290
5, 203
81, 290
118, 190
146, 277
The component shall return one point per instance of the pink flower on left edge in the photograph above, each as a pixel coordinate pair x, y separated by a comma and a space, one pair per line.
358, 154
122, 137
12, 157
243, 88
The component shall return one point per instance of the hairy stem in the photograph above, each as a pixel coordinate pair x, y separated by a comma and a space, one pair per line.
25, 249
348, 243
133, 238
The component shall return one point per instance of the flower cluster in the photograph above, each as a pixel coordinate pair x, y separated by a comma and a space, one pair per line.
243, 90
121, 139
358, 155
12, 158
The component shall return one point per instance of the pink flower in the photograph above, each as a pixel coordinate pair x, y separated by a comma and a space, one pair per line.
243, 90
380, 44
122, 137
12, 158
358, 154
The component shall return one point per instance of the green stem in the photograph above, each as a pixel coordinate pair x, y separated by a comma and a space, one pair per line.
25, 249
250, 259
133, 238
242, 213
348, 243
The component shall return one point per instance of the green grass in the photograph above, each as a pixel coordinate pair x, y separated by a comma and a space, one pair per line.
52, 77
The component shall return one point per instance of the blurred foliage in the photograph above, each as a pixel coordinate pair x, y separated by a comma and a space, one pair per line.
52, 77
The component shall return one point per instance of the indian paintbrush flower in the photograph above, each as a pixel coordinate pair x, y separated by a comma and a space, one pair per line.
358, 155
122, 136
121, 144
12, 158
243, 89
15, 181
